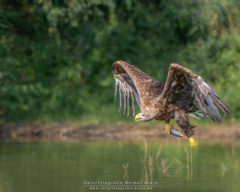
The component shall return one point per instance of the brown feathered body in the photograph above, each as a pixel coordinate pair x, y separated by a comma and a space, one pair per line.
183, 94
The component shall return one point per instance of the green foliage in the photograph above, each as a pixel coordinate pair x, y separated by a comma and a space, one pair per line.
56, 55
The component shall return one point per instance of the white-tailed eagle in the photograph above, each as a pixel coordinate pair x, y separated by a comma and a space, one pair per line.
184, 94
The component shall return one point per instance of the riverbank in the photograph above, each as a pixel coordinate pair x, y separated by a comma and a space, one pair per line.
119, 131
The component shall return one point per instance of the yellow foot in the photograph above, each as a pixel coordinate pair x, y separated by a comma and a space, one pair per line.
167, 129
192, 142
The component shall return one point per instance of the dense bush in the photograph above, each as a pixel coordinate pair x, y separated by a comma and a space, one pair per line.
56, 55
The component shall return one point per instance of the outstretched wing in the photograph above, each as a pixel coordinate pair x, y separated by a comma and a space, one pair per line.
133, 83
188, 90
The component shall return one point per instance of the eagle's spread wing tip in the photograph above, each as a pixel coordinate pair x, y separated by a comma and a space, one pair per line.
133, 83
208, 98
185, 87
125, 86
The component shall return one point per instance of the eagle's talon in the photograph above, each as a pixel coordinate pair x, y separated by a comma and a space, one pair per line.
192, 142
167, 129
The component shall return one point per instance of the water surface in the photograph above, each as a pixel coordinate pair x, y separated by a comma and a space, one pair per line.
113, 166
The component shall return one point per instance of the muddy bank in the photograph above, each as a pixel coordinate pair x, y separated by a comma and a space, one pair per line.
125, 132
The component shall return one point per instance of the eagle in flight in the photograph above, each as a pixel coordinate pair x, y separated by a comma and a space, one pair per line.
184, 94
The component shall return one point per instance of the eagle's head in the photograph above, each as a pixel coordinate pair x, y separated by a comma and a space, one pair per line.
143, 117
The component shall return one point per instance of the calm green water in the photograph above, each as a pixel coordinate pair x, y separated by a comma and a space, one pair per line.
49, 167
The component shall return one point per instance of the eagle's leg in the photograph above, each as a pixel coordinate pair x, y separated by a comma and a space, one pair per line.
168, 127
182, 120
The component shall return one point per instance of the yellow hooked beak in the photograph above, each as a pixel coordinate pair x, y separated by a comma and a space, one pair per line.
137, 117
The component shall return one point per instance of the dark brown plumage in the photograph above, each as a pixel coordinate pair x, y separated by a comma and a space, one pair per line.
184, 93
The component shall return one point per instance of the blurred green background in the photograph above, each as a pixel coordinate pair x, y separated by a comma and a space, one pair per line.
56, 55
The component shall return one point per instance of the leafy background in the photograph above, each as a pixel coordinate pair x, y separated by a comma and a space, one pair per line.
56, 55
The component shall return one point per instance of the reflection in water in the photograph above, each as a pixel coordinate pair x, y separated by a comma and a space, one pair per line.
223, 169
150, 165
27, 167
165, 166
125, 173
189, 163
